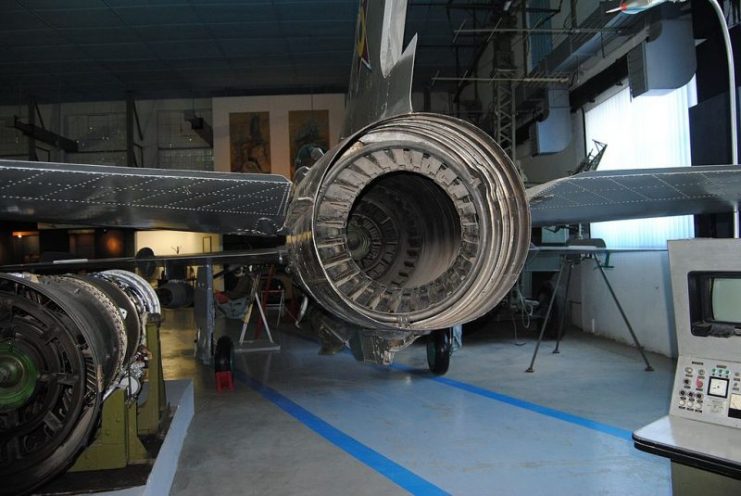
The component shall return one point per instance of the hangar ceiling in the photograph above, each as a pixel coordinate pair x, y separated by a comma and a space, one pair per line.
79, 50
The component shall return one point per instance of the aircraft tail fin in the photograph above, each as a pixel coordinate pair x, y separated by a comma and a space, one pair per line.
381, 74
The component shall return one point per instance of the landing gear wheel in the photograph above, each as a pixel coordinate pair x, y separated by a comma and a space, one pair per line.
439, 347
224, 355
223, 361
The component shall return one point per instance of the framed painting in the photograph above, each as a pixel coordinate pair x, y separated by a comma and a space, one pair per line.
307, 129
249, 141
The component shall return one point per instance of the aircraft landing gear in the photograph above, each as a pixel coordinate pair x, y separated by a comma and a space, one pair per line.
223, 360
439, 348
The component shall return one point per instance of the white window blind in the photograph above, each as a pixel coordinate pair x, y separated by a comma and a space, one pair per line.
643, 133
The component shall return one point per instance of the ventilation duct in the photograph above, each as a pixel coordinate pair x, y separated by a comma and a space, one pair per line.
553, 133
665, 61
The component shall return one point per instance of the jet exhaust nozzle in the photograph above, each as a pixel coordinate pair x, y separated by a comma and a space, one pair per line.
418, 222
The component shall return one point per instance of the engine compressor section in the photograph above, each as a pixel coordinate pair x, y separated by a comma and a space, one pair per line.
67, 342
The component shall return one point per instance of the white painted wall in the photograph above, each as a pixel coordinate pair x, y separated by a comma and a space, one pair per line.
177, 242
278, 106
182, 243
642, 284
156, 137
14, 144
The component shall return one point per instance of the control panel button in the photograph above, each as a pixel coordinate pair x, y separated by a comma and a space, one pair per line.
699, 383
688, 370
681, 402
701, 372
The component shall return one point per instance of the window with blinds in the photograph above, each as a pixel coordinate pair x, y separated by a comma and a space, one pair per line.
643, 133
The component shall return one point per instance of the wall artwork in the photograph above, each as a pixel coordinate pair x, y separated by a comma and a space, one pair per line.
249, 141
307, 129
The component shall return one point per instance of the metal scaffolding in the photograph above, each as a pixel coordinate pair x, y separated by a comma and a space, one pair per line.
503, 70
515, 90
494, 35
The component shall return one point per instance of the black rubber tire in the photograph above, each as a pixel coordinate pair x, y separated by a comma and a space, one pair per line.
146, 269
439, 346
224, 354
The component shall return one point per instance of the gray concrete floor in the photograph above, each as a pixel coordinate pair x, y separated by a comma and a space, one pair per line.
239, 443
330, 425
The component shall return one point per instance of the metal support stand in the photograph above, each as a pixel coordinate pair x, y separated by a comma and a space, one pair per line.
547, 315
566, 261
255, 345
204, 311
154, 409
565, 302
118, 443
280, 306
625, 318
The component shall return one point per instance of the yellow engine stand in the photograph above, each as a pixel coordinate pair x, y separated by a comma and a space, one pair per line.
117, 443
154, 411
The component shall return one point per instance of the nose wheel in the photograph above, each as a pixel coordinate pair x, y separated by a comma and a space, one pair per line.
439, 348
223, 361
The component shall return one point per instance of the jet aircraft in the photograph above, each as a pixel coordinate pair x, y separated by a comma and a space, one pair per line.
413, 223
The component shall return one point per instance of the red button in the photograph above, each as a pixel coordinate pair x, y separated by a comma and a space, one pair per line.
698, 383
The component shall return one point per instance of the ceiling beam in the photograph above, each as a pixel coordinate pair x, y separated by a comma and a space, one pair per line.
45, 136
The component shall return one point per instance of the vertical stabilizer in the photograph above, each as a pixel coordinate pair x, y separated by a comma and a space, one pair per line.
381, 74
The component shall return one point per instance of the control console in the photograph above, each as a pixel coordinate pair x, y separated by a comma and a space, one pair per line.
703, 428
707, 390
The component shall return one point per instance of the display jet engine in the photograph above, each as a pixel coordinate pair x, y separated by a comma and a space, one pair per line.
413, 223
66, 343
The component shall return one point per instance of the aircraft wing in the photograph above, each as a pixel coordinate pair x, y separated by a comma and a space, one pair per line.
633, 194
143, 198
583, 250
241, 257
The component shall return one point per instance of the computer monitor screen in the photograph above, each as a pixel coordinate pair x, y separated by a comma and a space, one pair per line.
715, 303
726, 299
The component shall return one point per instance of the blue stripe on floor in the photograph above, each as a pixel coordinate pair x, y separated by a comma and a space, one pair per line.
393, 471
533, 407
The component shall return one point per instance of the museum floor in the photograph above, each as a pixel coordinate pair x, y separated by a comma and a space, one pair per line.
301, 423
